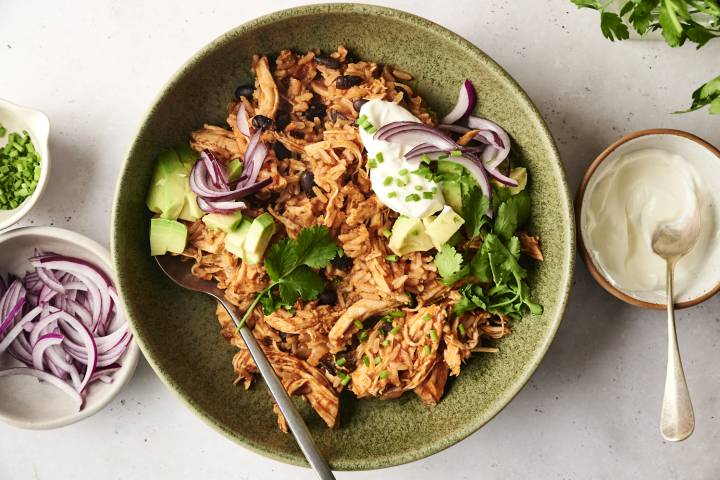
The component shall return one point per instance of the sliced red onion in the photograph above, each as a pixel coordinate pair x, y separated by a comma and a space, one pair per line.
254, 157
46, 377
498, 139
18, 328
242, 120
14, 312
502, 178
414, 132
227, 206
48, 278
464, 105
44, 342
199, 185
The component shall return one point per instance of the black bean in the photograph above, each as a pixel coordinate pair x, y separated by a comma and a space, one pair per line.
347, 81
307, 182
244, 91
328, 297
282, 120
342, 263
281, 151
328, 362
262, 122
297, 134
315, 110
377, 73
386, 327
357, 104
328, 61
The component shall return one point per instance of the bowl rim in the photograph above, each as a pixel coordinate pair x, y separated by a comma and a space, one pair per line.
587, 258
569, 243
44, 145
132, 355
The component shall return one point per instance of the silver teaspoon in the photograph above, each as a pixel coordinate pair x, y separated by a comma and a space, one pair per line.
672, 241
179, 272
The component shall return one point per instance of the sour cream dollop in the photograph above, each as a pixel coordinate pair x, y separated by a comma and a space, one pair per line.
625, 202
393, 180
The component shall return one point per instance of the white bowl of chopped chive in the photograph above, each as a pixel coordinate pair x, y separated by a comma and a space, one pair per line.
24, 160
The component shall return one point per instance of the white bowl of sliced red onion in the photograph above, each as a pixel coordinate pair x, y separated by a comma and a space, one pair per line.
65, 346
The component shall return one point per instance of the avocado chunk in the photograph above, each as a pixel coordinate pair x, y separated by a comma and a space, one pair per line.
235, 239
408, 235
258, 236
187, 156
443, 227
167, 236
234, 170
452, 191
221, 221
519, 174
169, 184
191, 211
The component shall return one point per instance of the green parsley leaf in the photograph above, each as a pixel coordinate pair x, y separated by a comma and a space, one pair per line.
707, 94
613, 27
594, 4
474, 211
450, 265
302, 282
641, 16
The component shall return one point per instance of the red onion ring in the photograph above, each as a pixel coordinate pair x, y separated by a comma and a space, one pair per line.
464, 105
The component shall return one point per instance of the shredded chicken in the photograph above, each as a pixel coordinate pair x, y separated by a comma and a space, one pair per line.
530, 246
345, 327
266, 91
432, 389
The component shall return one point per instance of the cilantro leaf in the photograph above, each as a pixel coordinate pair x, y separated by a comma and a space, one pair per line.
315, 247
613, 27
302, 282
449, 264
511, 214
280, 259
475, 206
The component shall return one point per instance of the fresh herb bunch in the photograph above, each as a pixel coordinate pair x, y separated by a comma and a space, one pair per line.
696, 21
494, 279
290, 265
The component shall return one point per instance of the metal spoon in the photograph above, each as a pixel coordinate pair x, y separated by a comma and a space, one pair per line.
179, 272
671, 241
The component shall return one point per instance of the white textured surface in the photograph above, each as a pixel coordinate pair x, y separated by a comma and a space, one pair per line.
591, 410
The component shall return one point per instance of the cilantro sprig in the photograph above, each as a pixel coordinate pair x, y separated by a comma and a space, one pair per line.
495, 279
290, 265
680, 21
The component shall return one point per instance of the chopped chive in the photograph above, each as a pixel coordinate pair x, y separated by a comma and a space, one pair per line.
363, 336
396, 314
434, 190
372, 163
366, 360
426, 350
358, 324
387, 233
346, 379
433, 335
383, 374
391, 258
377, 360
371, 130
392, 194
461, 329
443, 157
418, 188
386, 342
425, 158
362, 118
403, 171
379, 157
428, 195
388, 181
340, 361
400, 182
455, 153
395, 330
426, 317
413, 197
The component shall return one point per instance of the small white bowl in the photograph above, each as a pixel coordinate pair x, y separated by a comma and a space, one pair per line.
25, 402
16, 119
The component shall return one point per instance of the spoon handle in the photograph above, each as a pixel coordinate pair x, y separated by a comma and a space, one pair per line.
677, 420
281, 397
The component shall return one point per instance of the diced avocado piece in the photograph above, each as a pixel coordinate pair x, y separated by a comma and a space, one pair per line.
427, 221
444, 226
444, 166
234, 240
221, 221
169, 184
519, 174
167, 236
191, 211
452, 191
187, 156
234, 170
408, 235
258, 237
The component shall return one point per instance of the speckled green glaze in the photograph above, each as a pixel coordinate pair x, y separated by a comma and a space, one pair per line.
178, 331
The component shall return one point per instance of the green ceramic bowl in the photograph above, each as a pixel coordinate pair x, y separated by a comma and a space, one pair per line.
177, 330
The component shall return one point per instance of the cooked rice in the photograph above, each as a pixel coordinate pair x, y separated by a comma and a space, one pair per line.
424, 346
